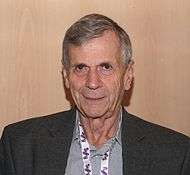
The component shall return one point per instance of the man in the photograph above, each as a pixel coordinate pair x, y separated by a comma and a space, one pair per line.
97, 136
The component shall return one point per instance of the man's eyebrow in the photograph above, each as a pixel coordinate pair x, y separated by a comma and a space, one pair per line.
106, 63
85, 65
78, 64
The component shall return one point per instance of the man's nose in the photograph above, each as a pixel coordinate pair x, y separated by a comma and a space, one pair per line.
93, 80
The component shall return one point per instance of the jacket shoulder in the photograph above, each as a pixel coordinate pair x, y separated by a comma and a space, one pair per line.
166, 150
157, 132
38, 125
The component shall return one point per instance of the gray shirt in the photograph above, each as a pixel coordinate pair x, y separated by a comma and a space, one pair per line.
75, 162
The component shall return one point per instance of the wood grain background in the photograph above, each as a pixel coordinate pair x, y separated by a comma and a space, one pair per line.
31, 33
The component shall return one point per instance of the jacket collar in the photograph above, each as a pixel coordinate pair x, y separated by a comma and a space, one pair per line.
132, 130
62, 124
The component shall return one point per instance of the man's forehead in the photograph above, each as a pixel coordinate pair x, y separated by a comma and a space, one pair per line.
107, 37
104, 48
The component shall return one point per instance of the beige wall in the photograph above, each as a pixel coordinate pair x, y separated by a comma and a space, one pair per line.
31, 33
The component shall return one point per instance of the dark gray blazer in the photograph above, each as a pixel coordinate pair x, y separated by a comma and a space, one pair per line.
40, 146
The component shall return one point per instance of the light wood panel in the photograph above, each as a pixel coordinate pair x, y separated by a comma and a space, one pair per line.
31, 33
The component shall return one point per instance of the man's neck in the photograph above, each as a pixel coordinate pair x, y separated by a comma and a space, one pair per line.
99, 130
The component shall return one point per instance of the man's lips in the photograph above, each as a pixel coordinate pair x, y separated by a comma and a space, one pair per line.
93, 98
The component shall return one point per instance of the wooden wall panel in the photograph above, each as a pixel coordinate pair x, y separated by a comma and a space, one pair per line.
31, 33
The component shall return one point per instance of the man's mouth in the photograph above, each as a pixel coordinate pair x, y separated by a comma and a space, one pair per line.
93, 98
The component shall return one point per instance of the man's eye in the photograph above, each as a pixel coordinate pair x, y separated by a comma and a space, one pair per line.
80, 68
106, 66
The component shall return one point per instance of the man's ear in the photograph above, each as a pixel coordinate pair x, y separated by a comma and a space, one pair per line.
65, 77
129, 74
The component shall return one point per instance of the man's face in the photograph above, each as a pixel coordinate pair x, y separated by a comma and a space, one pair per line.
97, 76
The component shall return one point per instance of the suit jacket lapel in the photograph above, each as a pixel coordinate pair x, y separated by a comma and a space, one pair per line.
52, 151
132, 134
132, 131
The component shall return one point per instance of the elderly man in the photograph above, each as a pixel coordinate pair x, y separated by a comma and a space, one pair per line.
97, 136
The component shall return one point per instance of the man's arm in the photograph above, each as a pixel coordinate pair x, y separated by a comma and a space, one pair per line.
186, 165
1, 158
6, 162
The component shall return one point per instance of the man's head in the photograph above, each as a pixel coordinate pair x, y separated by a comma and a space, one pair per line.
97, 65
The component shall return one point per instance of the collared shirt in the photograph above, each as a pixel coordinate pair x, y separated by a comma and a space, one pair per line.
75, 162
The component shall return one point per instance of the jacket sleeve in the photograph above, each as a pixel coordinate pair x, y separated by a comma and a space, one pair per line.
186, 164
6, 161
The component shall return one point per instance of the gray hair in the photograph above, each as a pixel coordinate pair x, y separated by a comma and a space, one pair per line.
93, 26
